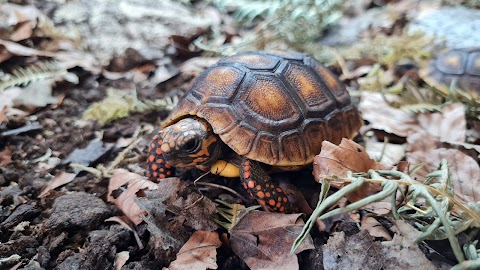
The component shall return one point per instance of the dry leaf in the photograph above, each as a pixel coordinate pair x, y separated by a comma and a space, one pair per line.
336, 160
85, 156
198, 253
20, 50
263, 240
374, 228
360, 251
465, 171
120, 259
392, 153
382, 116
5, 157
36, 95
449, 125
123, 189
60, 179
22, 18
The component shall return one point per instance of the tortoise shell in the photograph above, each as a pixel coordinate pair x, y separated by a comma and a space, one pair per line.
461, 66
272, 107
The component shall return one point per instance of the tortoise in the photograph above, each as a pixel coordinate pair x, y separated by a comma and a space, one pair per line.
251, 110
460, 67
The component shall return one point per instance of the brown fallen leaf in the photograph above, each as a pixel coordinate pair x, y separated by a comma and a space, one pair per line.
60, 179
382, 116
21, 18
198, 253
124, 188
19, 50
263, 240
448, 125
120, 259
36, 95
465, 171
360, 251
374, 228
5, 157
339, 159
336, 160
196, 211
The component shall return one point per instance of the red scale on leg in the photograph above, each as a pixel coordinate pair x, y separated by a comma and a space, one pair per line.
157, 167
260, 185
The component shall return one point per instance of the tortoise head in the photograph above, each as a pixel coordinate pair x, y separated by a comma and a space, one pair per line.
190, 142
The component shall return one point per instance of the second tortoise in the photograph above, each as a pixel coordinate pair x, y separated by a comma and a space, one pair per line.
255, 109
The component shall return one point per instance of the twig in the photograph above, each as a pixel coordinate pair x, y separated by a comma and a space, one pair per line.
222, 187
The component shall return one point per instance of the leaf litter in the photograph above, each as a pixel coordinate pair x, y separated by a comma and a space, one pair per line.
425, 131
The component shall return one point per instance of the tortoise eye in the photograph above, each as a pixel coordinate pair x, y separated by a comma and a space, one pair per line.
191, 145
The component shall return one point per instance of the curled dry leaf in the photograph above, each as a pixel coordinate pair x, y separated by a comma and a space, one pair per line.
120, 259
198, 253
124, 187
336, 160
465, 171
263, 240
60, 179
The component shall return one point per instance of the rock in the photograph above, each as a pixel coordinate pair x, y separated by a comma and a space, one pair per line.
77, 210
453, 25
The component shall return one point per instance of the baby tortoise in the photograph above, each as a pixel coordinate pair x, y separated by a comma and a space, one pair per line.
460, 67
250, 110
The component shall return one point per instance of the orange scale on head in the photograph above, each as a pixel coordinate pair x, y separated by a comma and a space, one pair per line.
278, 205
159, 161
154, 167
279, 190
271, 202
158, 151
261, 202
169, 173
260, 194
246, 174
267, 194
168, 166
151, 158
282, 209
155, 174
162, 176
285, 199
162, 170
155, 137
259, 187
251, 184
165, 148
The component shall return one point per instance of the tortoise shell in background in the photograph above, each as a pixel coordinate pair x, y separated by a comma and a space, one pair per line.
272, 107
459, 65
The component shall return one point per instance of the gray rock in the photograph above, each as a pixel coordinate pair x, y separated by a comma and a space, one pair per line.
458, 26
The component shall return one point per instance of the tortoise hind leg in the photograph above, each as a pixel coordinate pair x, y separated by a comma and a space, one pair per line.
157, 167
260, 186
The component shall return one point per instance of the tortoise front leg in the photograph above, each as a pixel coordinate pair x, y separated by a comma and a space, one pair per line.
260, 186
157, 167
